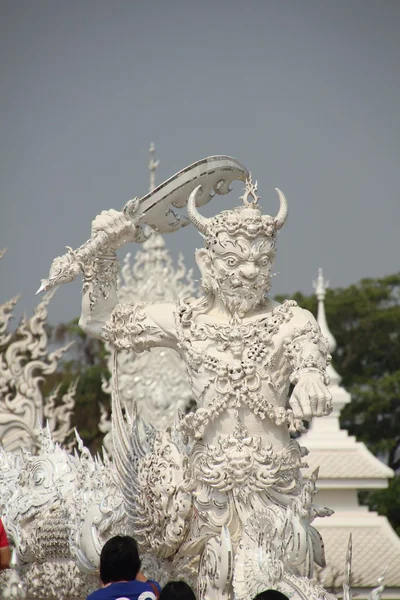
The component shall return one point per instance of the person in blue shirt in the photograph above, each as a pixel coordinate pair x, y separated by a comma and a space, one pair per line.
120, 573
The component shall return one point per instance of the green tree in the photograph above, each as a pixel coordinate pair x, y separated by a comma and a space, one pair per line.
87, 361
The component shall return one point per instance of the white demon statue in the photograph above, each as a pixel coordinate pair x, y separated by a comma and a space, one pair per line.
220, 495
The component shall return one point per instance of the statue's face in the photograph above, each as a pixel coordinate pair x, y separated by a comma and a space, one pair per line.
240, 270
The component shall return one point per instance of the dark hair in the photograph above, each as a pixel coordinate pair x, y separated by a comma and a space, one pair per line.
177, 590
119, 559
270, 595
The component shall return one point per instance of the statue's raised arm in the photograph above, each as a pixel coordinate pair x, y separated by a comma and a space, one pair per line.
126, 326
100, 275
96, 259
157, 209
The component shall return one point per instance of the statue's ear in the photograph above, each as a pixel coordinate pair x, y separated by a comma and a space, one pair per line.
203, 261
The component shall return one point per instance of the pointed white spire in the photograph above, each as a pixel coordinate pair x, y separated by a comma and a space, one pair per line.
155, 241
153, 164
320, 286
328, 427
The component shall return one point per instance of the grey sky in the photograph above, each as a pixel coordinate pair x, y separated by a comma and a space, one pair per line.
304, 92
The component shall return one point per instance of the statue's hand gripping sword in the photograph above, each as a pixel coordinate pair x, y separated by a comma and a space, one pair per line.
156, 209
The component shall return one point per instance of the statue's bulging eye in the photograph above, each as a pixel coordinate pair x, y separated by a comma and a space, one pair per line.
231, 261
39, 477
263, 261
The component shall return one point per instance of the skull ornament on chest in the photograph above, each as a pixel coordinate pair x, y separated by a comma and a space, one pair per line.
236, 373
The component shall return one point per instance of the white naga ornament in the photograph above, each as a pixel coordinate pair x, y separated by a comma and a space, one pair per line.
58, 509
219, 497
24, 361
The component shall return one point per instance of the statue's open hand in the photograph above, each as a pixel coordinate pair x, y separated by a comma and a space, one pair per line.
119, 229
310, 397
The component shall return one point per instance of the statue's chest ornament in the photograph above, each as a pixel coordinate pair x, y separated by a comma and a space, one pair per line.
252, 341
234, 376
237, 381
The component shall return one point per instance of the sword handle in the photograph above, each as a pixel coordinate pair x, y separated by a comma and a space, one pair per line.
99, 242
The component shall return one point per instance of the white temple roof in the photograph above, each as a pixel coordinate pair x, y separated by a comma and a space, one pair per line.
376, 547
354, 462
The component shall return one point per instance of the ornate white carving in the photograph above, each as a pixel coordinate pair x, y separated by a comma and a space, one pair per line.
102, 272
24, 361
6, 313
263, 559
153, 164
13, 587
347, 594
58, 510
59, 417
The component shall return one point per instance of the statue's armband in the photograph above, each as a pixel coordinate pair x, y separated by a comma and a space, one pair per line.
129, 328
307, 351
100, 278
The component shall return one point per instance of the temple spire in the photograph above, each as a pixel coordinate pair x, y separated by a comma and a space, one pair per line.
320, 286
153, 164
156, 240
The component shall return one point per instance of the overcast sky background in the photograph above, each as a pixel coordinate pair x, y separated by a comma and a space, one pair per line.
305, 93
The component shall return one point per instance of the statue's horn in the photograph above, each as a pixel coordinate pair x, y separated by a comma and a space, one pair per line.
196, 218
281, 217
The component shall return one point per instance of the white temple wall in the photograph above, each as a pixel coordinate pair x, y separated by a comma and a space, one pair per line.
339, 500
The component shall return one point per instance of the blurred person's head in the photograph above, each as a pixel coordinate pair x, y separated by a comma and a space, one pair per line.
270, 595
177, 590
119, 559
